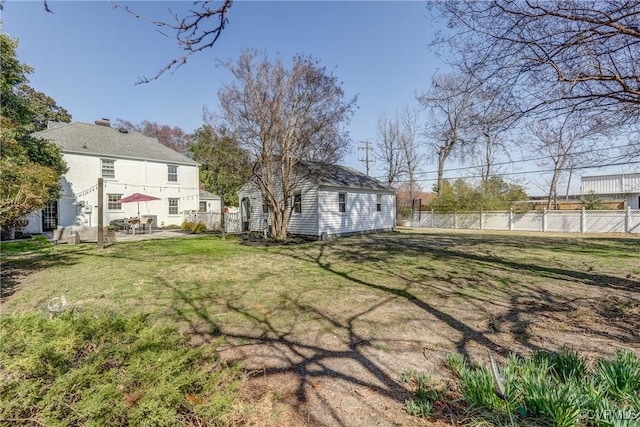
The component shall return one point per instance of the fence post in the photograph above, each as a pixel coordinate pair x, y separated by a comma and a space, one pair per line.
544, 220
510, 219
627, 220
455, 220
583, 220
433, 220
480, 219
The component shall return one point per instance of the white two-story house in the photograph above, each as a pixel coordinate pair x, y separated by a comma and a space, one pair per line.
128, 162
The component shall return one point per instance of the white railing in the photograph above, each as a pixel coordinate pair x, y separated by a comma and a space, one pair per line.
212, 220
582, 221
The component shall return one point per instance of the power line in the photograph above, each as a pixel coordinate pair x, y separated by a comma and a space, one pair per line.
526, 172
533, 159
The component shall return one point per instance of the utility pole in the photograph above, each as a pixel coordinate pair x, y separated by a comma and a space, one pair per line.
367, 147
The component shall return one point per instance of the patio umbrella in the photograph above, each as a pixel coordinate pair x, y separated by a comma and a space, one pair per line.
138, 197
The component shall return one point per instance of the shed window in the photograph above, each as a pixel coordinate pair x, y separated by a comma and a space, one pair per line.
108, 168
113, 202
342, 202
378, 202
297, 202
172, 173
173, 206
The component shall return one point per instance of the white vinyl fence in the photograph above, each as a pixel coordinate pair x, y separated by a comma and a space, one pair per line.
582, 221
212, 220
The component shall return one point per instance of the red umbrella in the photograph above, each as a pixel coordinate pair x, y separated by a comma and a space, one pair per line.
138, 197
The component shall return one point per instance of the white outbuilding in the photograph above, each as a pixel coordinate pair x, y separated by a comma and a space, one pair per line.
614, 186
331, 201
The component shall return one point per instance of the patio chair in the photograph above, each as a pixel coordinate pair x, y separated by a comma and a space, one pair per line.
119, 224
146, 223
127, 225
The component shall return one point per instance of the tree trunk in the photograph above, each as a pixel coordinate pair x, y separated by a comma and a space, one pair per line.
222, 218
279, 224
566, 196
441, 160
553, 189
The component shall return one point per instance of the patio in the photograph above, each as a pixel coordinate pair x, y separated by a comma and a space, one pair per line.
122, 236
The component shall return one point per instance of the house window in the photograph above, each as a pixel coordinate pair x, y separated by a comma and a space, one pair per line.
113, 202
172, 173
378, 202
108, 168
297, 202
173, 206
265, 208
203, 206
342, 202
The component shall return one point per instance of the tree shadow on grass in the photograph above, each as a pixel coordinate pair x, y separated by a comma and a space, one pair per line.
14, 267
522, 302
288, 354
368, 263
382, 247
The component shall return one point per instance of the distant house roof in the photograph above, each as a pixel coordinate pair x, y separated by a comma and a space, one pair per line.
97, 140
205, 195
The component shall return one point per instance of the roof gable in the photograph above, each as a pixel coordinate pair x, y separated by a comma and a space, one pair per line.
84, 138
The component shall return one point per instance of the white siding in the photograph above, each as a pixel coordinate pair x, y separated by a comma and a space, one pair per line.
360, 215
320, 212
306, 222
612, 184
213, 205
79, 184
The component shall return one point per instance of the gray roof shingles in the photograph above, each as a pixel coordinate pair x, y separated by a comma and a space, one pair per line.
336, 176
84, 138
343, 176
204, 194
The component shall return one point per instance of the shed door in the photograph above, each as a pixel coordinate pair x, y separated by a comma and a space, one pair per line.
245, 209
50, 216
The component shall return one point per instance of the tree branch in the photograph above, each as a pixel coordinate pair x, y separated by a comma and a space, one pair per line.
193, 32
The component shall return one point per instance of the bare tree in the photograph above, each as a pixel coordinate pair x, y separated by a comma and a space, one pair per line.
448, 102
172, 137
288, 118
388, 148
564, 140
492, 115
410, 146
554, 56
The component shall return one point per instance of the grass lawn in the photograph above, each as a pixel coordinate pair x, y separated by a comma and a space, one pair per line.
326, 329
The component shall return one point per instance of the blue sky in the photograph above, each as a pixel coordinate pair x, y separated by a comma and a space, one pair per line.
88, 57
